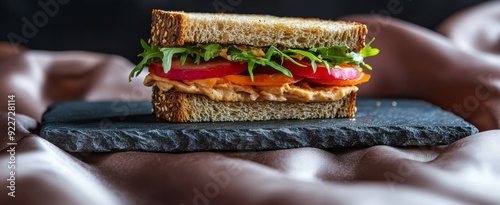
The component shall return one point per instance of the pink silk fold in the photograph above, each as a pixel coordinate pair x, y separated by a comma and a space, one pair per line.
456, 68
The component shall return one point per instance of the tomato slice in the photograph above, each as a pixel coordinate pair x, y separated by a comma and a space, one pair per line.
276, 79
345, 76
346, 72
192, 71
363, 78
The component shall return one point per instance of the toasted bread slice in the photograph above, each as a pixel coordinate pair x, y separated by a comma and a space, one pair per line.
176, 106
175, 29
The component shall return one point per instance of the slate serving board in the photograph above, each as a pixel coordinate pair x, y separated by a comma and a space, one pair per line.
121, 125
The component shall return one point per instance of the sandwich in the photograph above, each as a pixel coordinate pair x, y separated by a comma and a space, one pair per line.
207, 67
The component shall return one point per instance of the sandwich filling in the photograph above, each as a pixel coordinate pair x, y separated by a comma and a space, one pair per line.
247, 73
219, 89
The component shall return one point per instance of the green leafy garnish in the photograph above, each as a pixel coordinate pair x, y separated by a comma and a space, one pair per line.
168, 54
334, 55
369, 51
273, 50
252, 60
211, 51
327, 56
150, 53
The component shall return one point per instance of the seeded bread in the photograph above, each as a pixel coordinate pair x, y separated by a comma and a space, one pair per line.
174, 29
176, 106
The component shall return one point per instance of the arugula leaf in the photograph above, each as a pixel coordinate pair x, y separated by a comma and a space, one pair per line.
280, 68
251, 66
309, 55
367, 66
270, 52
334, 55
327, 65
314, 66
183, 58
146, 60
146, 46
193, 52
149, 54
328, 56
211, 51
168, 54
368, 51
281, 55
243, 55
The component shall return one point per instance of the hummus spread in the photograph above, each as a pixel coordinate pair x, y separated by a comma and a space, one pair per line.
219, 89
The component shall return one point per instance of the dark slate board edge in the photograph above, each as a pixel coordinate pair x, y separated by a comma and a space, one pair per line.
254, 139
118, 108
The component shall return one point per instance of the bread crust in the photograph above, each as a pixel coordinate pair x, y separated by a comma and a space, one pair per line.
176, 106
175, 29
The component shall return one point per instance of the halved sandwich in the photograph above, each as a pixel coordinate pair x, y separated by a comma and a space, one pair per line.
233, 67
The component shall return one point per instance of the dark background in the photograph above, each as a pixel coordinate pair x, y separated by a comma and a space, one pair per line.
115, 27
